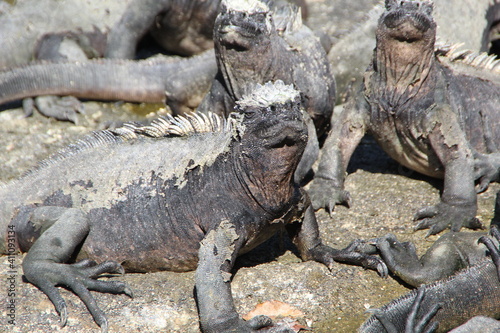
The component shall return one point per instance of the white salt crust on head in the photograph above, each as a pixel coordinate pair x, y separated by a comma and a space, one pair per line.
270, 93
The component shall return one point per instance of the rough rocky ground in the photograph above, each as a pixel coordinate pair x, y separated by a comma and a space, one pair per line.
385, 198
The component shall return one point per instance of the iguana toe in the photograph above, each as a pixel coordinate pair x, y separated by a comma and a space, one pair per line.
104, 327
382, 270
494, 251
63, 314
425, 212
259, 322
473, 223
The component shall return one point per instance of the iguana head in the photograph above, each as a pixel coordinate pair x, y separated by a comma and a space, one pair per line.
273, 116
407, 22
242, 24
403, 57
243, 40
273, 136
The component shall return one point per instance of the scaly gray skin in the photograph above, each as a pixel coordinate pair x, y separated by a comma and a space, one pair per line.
433, 114
472, 292
184, 27
260, 44
144, 198
450, 253
352, 49
181, 83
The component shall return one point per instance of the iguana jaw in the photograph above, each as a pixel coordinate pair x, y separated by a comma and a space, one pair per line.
408, 22
405, 50
240, 30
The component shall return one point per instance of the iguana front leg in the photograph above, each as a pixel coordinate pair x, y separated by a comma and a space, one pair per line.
44, 265
442, 259
347, 129
216, 256
458, 204
305, 236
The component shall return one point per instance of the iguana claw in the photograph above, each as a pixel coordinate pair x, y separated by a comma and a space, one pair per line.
443, 215
494, 250
325, 194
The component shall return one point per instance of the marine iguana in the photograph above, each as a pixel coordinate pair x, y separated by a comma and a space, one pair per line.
180, 82
254, 44
208, 178
472, 292
429, 110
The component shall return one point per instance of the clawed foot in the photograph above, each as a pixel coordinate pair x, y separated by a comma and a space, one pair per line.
486, 170
80, 278
411, 324
60, 108
264, 324
494, 249
443, 215
349, 255
325, 194
396, 253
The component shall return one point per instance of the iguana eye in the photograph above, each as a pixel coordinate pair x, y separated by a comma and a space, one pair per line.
249, 114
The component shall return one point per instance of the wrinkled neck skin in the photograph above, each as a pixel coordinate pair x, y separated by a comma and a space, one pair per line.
267, 173
401, 70
242, 68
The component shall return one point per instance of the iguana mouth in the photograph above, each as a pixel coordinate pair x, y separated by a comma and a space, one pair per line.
287, 133
407, 25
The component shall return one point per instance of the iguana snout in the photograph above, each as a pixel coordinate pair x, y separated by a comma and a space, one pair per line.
239, 28
274, 114
408, 21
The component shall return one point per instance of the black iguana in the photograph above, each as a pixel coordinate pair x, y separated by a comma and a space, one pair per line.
433, 111
146, 196
254, 44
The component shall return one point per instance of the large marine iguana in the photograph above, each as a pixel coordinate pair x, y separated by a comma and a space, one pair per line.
144, 198
429, 111
447, 303
254, 44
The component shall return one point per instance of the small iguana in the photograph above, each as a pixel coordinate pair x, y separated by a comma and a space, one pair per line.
254, 44
433, 111
450, 302
142, 198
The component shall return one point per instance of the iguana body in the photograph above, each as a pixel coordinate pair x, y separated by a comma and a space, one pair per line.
436, 115
145, 199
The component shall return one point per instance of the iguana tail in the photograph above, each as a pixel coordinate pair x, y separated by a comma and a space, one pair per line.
150, 80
